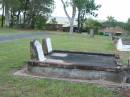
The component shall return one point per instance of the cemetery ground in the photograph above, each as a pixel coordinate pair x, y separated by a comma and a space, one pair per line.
15, 54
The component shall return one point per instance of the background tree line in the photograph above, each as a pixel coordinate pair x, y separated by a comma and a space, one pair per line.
35, 13
111, 22
26, 13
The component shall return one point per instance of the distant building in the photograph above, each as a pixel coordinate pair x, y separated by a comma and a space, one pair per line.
61, 25
112, 31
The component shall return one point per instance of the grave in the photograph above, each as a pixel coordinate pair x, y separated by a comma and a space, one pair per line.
73, 64
123, 45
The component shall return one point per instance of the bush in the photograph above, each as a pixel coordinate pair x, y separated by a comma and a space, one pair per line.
101, 33
40, 22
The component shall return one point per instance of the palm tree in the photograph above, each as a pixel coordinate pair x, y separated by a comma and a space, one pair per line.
110, 19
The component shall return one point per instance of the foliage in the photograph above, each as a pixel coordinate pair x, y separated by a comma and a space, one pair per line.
111, 22
85, 7
40, 22
1, 19
71, 18
37, 8
111, 19
31, 9
53, 21
92, 24
128, 25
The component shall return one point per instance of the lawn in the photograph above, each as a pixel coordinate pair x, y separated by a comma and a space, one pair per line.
14, 54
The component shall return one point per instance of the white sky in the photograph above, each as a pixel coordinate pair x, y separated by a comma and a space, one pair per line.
120, 9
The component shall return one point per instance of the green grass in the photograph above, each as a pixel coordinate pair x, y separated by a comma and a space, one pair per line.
13, 56
83, 43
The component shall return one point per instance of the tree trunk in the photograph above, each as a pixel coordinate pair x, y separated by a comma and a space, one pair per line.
12, 19
82, 19
18, 15
71, 27
79, 21
2, 20
24, 17
71, 19
6, 16
24, 13
32, 23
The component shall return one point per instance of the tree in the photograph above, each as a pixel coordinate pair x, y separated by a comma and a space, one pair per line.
31, 9
6, 10
92, 25
85, 7
70, 18
37, 8
110, 19
128, 25
111, 22
2, 18
40, 22
9, 8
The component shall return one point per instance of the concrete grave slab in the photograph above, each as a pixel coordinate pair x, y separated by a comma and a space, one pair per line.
122, 47
73, 64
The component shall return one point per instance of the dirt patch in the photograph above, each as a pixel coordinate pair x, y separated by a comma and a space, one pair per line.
125, 91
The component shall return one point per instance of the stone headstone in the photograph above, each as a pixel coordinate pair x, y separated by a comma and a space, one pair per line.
37, 51
91, 32
47, 45
119, 44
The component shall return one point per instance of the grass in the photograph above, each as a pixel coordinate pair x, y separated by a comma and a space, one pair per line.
83, 43
13, 56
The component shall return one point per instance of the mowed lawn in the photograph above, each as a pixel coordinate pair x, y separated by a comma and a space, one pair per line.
15, 54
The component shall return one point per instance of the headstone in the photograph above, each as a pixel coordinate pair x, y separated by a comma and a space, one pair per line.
47, 45
119, 44
37, 51
91, 32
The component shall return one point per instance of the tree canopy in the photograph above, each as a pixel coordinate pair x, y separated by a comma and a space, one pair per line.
26, 12
85, 7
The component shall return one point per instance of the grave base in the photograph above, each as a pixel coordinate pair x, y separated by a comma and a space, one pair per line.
77, 73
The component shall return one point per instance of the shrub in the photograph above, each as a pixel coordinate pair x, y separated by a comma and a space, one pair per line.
40, 22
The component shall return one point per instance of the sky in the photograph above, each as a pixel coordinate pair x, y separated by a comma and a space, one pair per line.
119, 9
